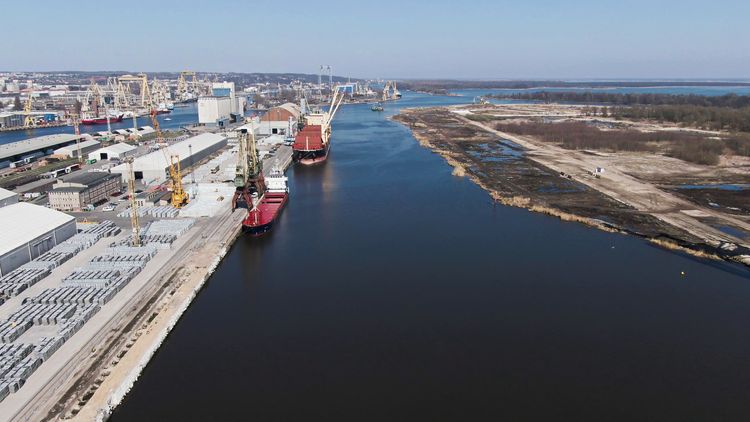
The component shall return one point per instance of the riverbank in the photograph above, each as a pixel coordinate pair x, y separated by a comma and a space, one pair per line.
542, 177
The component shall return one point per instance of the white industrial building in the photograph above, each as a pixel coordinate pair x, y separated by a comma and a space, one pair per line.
7, 197
29, 231
226, 89
153, 167
117, 152
71, 151
214, 111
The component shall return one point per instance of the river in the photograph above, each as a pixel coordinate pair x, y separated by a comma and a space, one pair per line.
392, 290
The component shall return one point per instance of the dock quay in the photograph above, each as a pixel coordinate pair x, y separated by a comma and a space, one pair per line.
119, 302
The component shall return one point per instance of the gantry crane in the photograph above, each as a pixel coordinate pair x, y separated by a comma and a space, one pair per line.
248, 175
179, 197
386, 90
390, 91
134, 220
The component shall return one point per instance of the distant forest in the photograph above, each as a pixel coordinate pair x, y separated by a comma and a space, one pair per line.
437, 85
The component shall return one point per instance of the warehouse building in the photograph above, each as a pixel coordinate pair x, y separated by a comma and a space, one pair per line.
29, 231
117, 151
71, 151
7, 197
278, 120
29, 150
76, 192
153, 167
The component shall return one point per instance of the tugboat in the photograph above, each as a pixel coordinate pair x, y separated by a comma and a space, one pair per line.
377, 107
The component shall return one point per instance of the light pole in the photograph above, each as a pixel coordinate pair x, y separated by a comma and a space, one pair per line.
192, 170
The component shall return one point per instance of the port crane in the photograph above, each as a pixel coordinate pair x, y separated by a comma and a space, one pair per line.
179, 197
75, 119
390, 91
248, 175
28, 120
141, 80
134, 219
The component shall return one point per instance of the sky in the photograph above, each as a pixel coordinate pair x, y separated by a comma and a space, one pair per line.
464, 39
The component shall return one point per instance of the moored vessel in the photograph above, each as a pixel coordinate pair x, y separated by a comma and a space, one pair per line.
312, 143
264, 198
100, 120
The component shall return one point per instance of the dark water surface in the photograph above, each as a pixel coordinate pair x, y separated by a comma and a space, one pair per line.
391, 290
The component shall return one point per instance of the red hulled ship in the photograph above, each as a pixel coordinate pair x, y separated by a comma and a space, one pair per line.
312, 143
263, 198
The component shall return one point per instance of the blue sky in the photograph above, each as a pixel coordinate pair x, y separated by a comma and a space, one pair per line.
404, 39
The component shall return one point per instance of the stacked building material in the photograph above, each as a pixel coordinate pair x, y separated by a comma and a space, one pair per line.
104, 229
42, 313
11, 330
85, 277
173, 227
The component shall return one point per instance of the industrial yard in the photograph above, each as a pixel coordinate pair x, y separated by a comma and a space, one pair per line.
111, 235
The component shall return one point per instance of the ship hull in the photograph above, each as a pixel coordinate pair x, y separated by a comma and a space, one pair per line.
309, 158
261, 219
101, 120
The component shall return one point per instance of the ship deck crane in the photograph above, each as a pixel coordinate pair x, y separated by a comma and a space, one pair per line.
248, 174
336, 99
179, 197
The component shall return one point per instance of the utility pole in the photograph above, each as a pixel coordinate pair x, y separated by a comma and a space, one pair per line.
192, 169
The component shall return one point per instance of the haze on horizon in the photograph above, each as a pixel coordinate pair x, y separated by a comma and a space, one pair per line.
416, 39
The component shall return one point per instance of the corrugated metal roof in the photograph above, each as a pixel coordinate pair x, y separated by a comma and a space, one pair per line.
157, 161
5, 194
74, 147
21, 223
88, 178
119, 148
34, 144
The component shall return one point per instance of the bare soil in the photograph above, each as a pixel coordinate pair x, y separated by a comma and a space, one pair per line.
639, 193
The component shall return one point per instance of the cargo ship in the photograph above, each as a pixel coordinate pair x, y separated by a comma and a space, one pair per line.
261, 218
312, 142
264, 198
101, 120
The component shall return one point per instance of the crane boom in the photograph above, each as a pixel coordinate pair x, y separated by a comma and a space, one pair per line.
179, 197
134, 219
